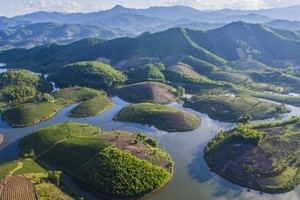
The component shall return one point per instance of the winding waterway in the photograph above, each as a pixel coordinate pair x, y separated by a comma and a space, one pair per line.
192, 179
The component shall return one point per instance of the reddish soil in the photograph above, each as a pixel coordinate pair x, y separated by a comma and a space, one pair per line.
161, 95
17, 187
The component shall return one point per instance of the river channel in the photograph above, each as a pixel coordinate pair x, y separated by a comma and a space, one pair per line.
192, 179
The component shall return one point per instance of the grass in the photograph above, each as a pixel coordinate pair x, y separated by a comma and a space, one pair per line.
227, 108
6, 168
30, 166
94, 103
44, 138
162, 117
92, 107
271, 165
30, 114
71, 147
147, 92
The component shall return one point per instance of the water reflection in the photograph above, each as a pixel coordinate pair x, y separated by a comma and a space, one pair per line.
192, 179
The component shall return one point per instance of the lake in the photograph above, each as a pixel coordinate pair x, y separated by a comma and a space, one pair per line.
192, 179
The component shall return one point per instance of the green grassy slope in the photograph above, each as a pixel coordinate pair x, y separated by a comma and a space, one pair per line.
226, 108
162, 117
86, 153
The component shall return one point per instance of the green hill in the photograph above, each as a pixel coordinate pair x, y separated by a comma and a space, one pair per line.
112, 164
162, 117
21, 85
147, 92
90, 74
227, 108
263, 157
93, 103
119, 174
173, 42
259, 41
147, 72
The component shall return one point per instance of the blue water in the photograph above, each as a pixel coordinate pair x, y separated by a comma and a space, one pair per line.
192, 179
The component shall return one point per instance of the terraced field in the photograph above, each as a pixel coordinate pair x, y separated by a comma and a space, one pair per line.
17, 187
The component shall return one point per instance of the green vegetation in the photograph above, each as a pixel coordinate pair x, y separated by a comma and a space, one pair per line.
133, 167
30, 113
122, 175
278, 78
6, 168
148, 92
148, 72
40, 177
92, 107
21, 85
90, 74
263, 157
227, 108
162, 117
94, 103
200, 66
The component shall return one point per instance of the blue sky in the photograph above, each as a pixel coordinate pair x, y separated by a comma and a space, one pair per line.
17, 7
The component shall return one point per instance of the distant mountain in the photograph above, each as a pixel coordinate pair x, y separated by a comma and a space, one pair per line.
250, 18
23, 30
284, 24
8, 22
216, 47
289, 13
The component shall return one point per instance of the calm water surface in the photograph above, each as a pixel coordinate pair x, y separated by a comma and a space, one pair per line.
192, 179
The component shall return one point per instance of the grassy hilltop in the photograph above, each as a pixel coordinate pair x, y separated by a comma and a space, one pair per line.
162, 117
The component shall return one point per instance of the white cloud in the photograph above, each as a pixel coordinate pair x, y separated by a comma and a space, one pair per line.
50, 5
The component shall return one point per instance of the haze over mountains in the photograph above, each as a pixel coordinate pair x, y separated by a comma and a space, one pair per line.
46, 27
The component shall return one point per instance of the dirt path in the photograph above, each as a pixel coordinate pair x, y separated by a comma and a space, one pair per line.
20, 165
51, 147
225, 167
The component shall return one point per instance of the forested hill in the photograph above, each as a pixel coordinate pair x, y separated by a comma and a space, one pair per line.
229, 43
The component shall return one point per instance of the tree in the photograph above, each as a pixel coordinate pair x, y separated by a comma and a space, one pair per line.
181, 90
244, 119
54, 177
47, 97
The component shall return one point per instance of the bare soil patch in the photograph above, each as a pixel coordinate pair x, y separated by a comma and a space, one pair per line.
127, 142
17, 187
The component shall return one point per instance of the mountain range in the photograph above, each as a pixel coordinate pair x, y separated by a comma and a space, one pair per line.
45, 27
217, 47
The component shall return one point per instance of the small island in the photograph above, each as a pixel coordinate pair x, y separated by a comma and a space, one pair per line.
230, 108
154, 92
162, 117
113, 165
264, 157
93, 103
